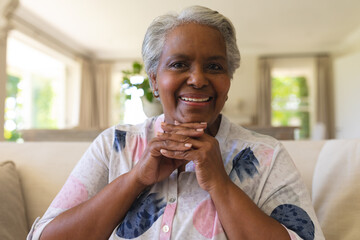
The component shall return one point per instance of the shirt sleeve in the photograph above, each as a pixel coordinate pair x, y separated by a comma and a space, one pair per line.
89, 176
286, 199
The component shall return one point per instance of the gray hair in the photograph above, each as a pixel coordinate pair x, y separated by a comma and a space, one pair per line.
155, 36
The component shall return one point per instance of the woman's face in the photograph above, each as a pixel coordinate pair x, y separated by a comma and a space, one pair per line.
192, 78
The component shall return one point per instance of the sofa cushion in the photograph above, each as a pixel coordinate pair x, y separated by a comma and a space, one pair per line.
13, 223
305, 154
336, 189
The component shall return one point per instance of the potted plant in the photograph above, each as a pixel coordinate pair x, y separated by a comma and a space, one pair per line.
137, 78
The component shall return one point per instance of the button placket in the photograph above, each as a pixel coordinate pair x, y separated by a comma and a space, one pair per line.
169, 213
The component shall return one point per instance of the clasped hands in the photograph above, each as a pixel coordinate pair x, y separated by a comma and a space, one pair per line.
179, 144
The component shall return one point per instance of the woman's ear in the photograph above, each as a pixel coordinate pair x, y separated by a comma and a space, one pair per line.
152, 77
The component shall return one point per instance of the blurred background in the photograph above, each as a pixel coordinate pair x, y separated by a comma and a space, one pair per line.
71, 68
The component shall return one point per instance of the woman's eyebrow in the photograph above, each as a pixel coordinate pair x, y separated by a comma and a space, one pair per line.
178, 56
184, 56
217, 57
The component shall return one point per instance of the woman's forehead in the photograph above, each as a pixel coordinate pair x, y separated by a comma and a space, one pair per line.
194, 37
195, 30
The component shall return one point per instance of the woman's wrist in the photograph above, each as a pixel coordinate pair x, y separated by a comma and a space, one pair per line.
221, 189
133, 181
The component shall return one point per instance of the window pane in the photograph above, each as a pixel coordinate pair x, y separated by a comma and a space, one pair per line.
43, 99
12, 107
290, 103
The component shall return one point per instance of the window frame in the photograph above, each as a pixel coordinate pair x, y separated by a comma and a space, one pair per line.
71, 79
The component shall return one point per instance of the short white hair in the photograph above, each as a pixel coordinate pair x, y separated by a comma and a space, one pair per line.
155, 36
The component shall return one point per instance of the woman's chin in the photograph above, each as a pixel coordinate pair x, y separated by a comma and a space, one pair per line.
191, 117
197, 119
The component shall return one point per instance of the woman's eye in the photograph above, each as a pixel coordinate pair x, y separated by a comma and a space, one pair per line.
215, 67
178, 65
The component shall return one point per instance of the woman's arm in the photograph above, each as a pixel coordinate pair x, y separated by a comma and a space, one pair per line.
240, 217
97, 217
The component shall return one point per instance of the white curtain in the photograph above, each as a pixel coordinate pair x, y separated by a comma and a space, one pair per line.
103, 94
95, 95
88, 107
324, 96
3, 78
264, 93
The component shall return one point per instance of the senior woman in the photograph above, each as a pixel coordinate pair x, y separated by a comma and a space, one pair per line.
189, 173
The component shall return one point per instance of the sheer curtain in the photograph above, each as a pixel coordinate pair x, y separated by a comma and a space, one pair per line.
88, 106
103, 93
264, 93
3, 78
324, 96
95, 95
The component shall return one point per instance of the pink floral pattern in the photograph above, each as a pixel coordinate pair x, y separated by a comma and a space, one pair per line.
73, 193
139, 148
266, 154
206, 220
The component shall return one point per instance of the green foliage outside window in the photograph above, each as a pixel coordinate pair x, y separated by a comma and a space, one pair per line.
43, 99
290, 106
42, 116
11, 133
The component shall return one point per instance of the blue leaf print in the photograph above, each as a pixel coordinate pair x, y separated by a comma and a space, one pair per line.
295, 219
119, 141
245, 162
146, 209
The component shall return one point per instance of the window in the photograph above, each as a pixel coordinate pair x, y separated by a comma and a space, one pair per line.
42, 90
292, 97
126, 111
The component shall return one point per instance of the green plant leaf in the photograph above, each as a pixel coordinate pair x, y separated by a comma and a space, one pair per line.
137, 67
126, 80
149, 96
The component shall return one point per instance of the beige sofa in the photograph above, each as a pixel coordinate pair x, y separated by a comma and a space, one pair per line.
42, 168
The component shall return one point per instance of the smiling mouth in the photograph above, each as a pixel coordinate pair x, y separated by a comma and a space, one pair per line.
188, 99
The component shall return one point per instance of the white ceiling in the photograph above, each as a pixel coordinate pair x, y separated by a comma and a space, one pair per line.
114, 29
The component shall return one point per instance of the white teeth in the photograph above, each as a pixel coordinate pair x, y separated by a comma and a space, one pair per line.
195, 99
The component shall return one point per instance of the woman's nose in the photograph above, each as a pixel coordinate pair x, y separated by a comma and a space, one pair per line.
197, 79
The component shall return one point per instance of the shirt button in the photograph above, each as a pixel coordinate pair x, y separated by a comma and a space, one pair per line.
171, 200
165, 228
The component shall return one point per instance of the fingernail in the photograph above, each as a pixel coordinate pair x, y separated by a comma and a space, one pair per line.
176, 122
200, 129
188, 144
159, 133
163, 151
203, 123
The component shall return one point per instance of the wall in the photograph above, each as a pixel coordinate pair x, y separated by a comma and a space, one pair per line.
241, 105
347, 96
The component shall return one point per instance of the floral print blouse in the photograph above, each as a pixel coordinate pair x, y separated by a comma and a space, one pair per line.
177, 208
